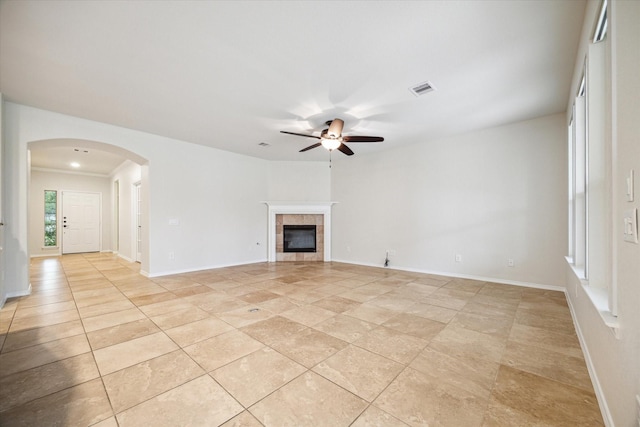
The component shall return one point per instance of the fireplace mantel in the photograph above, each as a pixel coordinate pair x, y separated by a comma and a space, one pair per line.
287, 207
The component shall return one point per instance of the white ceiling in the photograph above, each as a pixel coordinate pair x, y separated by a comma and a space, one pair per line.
232, 74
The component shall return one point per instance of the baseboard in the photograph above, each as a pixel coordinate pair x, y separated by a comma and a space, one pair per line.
126, 258
602, 401
45, 255
210, 267
466, 276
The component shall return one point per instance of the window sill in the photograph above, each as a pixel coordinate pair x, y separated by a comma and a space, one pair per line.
44, 248
599, 297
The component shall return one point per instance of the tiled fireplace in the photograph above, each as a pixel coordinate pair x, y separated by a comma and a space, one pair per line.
294, 213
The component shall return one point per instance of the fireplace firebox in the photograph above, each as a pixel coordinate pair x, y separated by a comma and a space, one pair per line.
299, 238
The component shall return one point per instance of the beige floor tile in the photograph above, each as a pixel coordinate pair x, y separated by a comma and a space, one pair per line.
121, 333
179, 317
39, 310
432, 312
521, 398
296, 404
415, 325
24, 386
152, 298
165, 307
363, 373
81, 405
309, 346
392, 302
373, 417
37, 355
546, 363
554, 341
274, 329
392, 344
36, 300
44, 320
420, 400
197, 331
244, 419
109, 422
542, 320
106, 308
244, 316
308, 315
371, 313
279, 305
129, 353
200, 402
476, 376
112, 319
256, 375
222, 349
29, 337
500, 327
258, 296
345, 328
468, 345
451, 381
336, 304
135, 384
488, 309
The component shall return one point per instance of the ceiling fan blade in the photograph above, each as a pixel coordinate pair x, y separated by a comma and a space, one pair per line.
346, 150
300, 134
335, 128
354, 138
311, 146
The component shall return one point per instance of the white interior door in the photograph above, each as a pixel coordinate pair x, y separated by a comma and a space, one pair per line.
80, 222
138, 222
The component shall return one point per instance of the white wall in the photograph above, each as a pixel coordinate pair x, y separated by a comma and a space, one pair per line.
615, 361
215, 195
47, 180
299, 181
127, 174
489, 196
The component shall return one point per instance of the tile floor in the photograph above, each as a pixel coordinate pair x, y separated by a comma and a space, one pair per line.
286, 344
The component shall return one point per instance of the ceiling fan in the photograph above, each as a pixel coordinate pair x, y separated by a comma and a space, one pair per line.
332, 138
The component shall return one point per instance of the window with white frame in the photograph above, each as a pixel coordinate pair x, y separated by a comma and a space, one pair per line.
589, 149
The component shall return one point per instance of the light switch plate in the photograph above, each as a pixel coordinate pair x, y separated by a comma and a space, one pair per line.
630, 185
631, 225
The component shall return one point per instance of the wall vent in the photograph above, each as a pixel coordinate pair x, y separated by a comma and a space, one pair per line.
422, 88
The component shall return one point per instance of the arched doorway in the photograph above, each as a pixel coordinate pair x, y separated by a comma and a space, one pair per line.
103, 170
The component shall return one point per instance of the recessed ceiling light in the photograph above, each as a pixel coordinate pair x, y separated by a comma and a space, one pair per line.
75, 164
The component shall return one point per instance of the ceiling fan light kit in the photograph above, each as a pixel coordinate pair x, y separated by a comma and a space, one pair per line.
332, 138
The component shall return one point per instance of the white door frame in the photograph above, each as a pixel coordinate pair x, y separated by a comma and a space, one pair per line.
136, 212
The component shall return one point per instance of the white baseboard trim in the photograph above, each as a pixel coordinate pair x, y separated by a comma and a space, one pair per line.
210, 267
126, 258
57, 253
597, 388
465, 276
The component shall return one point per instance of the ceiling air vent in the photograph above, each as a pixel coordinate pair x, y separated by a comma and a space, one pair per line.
263, 144
422, 88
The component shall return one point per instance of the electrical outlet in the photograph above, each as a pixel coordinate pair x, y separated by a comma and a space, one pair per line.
392, 252
458, 258
510, 262
172, 255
